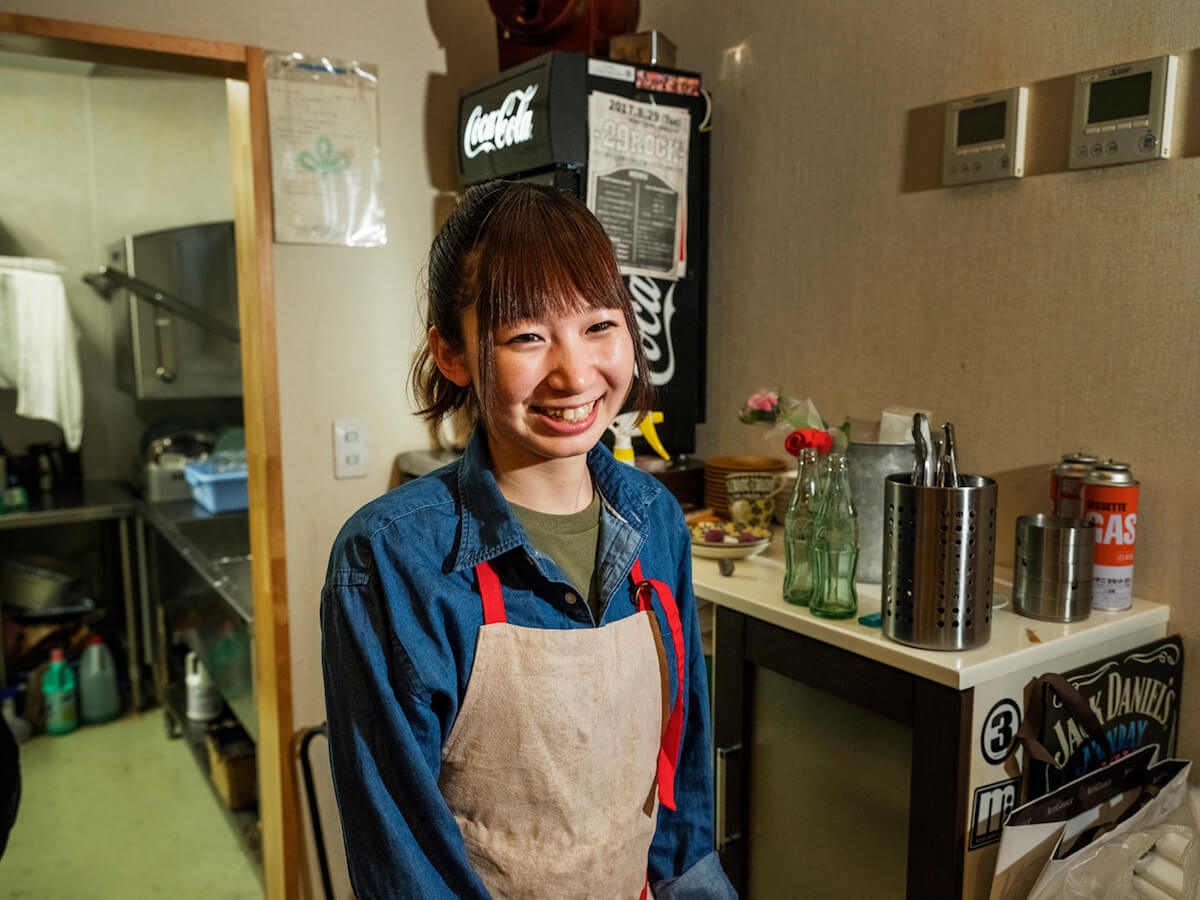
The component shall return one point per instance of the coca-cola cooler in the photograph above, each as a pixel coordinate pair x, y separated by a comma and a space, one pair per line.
632, 141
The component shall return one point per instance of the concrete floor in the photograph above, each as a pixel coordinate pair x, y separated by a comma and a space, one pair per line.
120, 811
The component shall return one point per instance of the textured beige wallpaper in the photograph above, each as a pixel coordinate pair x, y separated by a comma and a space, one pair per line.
1043, 316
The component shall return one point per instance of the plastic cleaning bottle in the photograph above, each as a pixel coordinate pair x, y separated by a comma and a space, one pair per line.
98, 697
58, 691
20, 727
203, 701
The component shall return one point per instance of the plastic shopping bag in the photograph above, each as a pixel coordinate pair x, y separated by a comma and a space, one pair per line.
1095, 838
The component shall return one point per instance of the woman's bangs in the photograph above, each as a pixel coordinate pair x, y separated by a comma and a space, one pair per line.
547, 260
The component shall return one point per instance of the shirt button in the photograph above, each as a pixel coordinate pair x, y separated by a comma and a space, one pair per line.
571, 598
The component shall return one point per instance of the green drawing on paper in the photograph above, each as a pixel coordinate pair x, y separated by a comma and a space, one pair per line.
325, 161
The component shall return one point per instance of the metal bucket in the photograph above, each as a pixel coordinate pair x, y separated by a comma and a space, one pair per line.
939, 562
868, 466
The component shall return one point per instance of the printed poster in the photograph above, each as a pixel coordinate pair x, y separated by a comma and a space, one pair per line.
637, 182
325, 155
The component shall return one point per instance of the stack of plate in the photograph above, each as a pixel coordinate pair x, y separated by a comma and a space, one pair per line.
717, 469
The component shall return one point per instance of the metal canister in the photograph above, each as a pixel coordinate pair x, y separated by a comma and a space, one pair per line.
1110, 500
1066, 483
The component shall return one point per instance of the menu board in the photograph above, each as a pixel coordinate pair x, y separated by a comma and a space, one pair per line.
637, 181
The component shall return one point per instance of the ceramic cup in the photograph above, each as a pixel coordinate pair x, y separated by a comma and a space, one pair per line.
752, 498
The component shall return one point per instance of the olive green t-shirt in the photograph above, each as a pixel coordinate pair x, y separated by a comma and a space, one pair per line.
569, 540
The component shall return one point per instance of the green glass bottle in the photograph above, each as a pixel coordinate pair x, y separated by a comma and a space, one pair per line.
797, 530
835, 547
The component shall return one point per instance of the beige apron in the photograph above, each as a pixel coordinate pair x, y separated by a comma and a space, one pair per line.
552, 766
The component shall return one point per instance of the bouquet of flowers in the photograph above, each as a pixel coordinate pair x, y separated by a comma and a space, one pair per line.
772, 408
785, 416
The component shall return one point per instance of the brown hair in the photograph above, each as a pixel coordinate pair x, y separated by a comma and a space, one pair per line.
516, 251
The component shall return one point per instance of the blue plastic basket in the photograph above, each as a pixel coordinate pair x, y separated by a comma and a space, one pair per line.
217, 491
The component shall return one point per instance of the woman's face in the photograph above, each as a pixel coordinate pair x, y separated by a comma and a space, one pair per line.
558, 383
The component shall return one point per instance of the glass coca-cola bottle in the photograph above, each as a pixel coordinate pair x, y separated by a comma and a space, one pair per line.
798, 528
835, 547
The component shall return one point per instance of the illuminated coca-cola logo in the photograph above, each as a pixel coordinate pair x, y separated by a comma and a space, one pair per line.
509, 123
654, 313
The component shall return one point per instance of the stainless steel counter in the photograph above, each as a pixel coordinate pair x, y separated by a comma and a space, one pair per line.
199, 574
98, 501
216, 545
203, 587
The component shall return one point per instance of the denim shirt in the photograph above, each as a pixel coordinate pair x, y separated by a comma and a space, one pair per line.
399, 615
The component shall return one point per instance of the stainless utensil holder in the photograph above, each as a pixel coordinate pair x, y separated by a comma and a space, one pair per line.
1052, 568
939, 547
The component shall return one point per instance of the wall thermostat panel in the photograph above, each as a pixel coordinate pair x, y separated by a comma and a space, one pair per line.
985, 137
1123, 113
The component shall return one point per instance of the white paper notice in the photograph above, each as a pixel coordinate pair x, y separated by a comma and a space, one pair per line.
325, 156
637, 181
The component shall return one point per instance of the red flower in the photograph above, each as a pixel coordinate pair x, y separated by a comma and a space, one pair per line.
821, 441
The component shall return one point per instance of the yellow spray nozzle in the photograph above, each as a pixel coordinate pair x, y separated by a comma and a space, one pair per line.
646, 426
623, 427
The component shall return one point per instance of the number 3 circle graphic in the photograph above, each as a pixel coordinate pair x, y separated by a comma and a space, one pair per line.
999, 729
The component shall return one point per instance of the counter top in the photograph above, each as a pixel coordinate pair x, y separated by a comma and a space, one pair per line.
756, 589
216, 545
96, 501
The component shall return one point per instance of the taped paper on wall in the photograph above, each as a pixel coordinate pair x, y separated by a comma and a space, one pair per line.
325, 154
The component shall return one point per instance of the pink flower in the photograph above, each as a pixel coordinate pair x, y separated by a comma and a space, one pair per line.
765, 400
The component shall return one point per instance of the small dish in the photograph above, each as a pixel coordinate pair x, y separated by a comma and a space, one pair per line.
741, 550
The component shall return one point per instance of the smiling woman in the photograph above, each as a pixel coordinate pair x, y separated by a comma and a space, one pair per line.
508, 254
491, 734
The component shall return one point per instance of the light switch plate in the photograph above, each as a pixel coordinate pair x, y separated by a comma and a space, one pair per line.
350, 457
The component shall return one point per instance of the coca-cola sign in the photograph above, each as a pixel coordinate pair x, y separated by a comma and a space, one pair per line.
527, 119
654, 312
508, 124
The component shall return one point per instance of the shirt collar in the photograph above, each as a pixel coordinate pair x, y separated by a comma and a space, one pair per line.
488, 528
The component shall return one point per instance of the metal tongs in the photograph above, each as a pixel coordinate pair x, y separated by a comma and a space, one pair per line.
923, 449
947, 475
934, 465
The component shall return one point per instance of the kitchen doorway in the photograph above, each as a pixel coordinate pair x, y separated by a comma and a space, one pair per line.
242, 68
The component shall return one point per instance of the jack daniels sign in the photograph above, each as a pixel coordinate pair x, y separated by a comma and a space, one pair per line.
1134, 695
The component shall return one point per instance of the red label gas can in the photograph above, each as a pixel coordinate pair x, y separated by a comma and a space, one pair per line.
1110, 499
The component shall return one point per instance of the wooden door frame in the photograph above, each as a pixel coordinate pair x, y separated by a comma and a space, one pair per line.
247, 93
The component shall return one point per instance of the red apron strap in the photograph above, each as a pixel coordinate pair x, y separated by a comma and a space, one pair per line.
493, 597
668, 754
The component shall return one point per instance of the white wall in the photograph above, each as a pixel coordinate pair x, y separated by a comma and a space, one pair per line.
99, 153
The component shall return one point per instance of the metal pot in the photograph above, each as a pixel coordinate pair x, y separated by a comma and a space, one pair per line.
40, 585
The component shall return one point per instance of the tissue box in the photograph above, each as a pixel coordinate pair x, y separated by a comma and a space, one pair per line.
217, 491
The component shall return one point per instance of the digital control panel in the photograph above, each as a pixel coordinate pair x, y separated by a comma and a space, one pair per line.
985, 137
1123, 113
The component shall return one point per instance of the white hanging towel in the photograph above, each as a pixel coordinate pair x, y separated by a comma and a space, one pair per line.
39, 350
